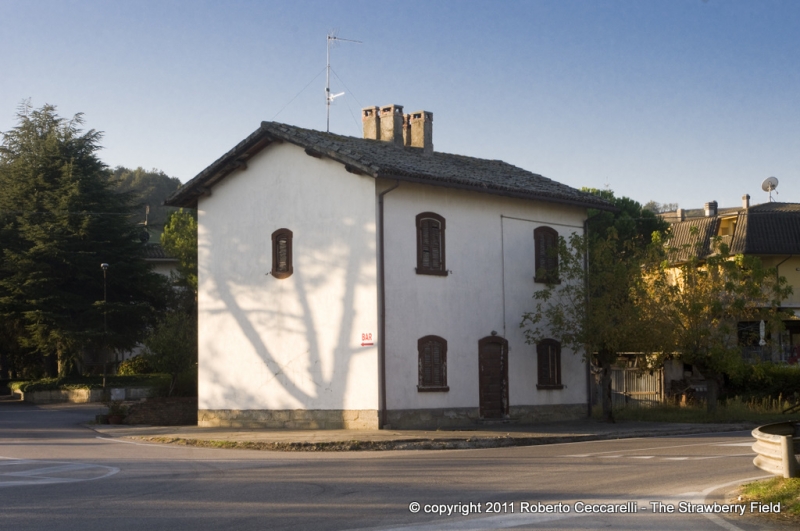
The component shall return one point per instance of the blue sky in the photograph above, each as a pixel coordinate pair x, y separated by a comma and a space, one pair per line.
681, 101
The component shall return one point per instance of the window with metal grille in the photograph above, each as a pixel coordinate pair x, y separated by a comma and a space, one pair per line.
546, 242
432, 364
549, 353
282, 253
430, 244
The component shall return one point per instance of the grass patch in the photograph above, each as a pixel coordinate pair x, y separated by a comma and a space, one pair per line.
776, 490
758, 411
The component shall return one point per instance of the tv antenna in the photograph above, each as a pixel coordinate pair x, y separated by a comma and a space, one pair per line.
770, 184
332, 39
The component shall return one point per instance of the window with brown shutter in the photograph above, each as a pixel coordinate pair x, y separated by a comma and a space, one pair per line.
548, 352
430, 244
432, 352
281, 253
546, 243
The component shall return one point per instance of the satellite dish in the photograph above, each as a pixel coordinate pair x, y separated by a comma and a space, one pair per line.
769, 184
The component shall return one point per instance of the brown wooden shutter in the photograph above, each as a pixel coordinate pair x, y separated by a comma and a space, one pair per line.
430, 244
432, 363
282, 253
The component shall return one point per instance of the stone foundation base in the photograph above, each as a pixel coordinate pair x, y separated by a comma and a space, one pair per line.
549, 413
291, 419
427, 419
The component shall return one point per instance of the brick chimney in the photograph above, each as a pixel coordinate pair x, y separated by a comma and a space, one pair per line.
391, 123
710, 209
421, 131
371, 121
746, 201
680, 214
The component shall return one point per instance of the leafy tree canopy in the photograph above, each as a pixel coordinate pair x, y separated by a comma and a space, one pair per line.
591, 309
630, 223
660, 208
59, 220
180, 240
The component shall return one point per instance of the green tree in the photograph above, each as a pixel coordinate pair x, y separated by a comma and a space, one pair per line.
696, 307
179, 239
591, 309
59, 220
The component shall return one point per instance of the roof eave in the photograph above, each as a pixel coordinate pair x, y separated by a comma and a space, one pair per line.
499, 191
188, 195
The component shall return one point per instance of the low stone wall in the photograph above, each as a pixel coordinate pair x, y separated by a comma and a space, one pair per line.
172, 411
83, 396
427, 419
299, 419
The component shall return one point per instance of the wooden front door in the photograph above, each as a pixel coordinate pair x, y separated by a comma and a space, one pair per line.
493, 381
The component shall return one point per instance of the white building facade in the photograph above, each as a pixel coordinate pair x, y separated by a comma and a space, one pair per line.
365, 283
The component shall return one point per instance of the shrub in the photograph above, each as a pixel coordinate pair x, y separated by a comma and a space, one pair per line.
137, 365
765, 380
172, 347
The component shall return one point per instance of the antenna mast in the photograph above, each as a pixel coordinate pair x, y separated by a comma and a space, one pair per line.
328, 96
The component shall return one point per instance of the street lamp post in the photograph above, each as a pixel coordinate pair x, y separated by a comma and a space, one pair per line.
104, 266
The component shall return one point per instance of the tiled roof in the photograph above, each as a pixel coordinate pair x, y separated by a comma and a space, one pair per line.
766, 229
768, 232
688, 241
383, 159
155, 253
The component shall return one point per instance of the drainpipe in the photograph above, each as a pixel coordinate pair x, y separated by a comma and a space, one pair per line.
382, 313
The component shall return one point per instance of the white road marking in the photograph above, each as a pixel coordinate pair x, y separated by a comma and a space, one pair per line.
482, 524
42, 472
678, 458
737, 444
647, 449
702, 495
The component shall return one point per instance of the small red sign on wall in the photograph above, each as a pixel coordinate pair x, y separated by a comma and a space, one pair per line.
366, 339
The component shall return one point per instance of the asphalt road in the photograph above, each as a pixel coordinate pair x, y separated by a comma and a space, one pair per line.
57, 474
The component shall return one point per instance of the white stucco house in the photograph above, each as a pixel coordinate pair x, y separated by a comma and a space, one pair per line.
373, 282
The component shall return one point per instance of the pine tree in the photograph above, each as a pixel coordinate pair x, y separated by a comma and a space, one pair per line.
59, 221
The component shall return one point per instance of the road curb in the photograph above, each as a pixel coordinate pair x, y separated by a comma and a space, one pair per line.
450, 443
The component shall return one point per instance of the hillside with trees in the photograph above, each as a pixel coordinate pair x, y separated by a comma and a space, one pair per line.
149, 189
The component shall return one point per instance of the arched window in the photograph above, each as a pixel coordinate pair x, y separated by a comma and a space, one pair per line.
548, 352
546, 243
432, 352
282, 253
430, 244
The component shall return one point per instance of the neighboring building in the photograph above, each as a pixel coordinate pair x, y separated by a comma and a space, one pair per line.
163, 263
770, 231
358, 283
